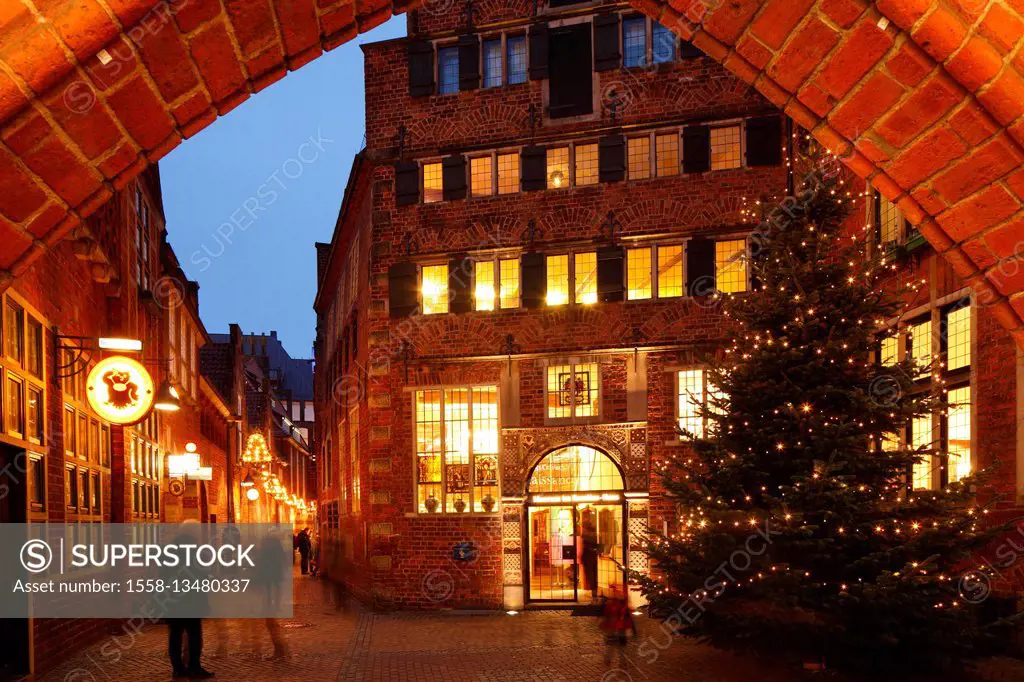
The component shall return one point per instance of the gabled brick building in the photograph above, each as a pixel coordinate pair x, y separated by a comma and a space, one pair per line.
515, 297
517, 303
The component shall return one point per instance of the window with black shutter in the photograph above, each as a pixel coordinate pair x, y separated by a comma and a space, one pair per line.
610, 261
696, 149
421, 68
764, 141
403, 292
611, 155
469, 62
453, 177
571, 83
534, 168
534, 280
607, 52
460, 276
688, 50
700, 267
407, 183
538, 52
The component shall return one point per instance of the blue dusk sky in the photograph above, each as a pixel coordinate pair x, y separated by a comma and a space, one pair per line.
247, 197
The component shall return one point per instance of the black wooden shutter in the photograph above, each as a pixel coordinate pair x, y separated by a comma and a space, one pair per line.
460, 277
764, 141
535, 168
700, 267
407, 183
607, 54
421, 68
403, 289
453, 177
538, 51
611, 158
469, 62
535, 279
696, 149
571, 72
610, 274
687, 50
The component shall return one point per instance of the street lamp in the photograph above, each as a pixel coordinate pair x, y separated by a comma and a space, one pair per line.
167, 398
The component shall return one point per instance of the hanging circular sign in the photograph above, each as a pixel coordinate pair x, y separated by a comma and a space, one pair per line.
120, 390
176, 487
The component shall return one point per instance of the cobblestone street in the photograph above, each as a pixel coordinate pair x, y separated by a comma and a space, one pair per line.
326, 643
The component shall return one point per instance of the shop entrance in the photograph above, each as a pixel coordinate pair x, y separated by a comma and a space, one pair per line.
576, 535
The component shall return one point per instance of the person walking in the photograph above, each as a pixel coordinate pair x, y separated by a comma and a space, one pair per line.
616, 622
305, 546
194, 604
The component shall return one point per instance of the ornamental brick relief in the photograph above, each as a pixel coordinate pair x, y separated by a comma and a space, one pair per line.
626, 444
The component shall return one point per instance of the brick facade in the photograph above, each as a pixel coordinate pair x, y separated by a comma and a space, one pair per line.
101, 283
370, 363
92, 93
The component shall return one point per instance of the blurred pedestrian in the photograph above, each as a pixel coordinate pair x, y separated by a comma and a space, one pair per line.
305, 545
616, 622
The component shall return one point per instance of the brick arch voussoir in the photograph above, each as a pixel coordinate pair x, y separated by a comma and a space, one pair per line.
925, 100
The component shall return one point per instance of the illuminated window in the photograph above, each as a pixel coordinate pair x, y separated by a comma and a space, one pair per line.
586, 277
558, 167
481, 175
731, 265
558, 280
572, 391
725, 148
958, 433
432, 184
690, 400
435, 289
508, 291
889, 226
15, 391
638, 273
888, 351
639, 157
958, 337
586, 165
456, 449
353, 453
663, 44
448, 70
516, 49
670, 271
493, 76
483, 289
576, 468
667, 154
14, 331
634, 41
508, 173
921, 441
920, 346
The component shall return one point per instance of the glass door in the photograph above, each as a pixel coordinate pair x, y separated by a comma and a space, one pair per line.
554, 554
601, 550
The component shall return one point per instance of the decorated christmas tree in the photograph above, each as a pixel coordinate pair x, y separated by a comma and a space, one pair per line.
798, 527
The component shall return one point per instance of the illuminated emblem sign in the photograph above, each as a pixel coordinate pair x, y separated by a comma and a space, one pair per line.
120, 390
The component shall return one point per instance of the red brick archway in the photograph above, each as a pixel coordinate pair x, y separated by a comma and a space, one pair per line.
924, 98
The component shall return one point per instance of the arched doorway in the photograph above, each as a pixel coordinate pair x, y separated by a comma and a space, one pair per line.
575, 510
